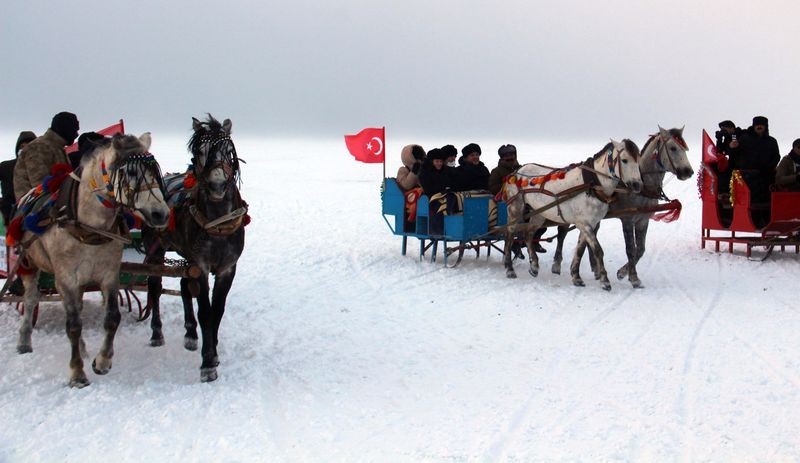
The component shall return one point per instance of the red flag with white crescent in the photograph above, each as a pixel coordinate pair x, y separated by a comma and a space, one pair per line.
710, 155
367, 145
111, 130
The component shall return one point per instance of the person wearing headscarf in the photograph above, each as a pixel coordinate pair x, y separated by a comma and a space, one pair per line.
36, 159
7, 175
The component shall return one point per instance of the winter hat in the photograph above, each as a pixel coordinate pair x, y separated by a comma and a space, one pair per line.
727, 124
760, 120
471, 148
507, 149
450, 151
24, 137
437, 153
418, 152
796, 143
66, 126
89, 141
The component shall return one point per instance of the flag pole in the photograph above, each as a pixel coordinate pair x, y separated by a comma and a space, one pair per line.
384, 153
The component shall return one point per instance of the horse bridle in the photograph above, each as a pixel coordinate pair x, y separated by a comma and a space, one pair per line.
106, 193
218, 161
661, 144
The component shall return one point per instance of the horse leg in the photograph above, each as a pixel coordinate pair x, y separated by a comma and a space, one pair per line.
30, 299
208, 371
533, 256
592, 261
102, 362
222, 286
597, 250
154, 288
72, 300
575, 267
640, 230
507, 260
189, 322
559, 256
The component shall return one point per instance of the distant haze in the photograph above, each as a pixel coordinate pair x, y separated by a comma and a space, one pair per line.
556, 70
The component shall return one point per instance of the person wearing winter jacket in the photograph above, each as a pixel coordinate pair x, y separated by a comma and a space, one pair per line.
787, 174
36, 159
471, 173
412, 157
7, 175
757, 156
506, 165
437, 182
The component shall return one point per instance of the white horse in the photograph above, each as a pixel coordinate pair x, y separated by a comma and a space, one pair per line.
578, 194
85, 244
663, 152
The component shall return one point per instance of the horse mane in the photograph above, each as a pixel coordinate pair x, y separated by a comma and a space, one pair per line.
631, 148
602, 152
673, 133
210, 127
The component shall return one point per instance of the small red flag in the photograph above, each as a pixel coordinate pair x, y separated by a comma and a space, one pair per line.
367, 145
710, 155
119, 127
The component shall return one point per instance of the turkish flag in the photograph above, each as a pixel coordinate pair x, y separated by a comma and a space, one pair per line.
367, 145
119, 127
710, 155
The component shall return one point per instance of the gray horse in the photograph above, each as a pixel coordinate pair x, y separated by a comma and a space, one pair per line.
565, 196
85, 246
663, 152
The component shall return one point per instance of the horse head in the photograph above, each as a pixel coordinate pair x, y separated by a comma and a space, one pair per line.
671, 151
623, 162
134, 178
214, 158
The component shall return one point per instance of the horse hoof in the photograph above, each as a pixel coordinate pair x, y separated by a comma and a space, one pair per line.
208, 374
79, 382
101, 371
511, 274
637, 284
24, 349
533, 273
622, 273
578, 282
607, 286
555, 270
156, 342
190, 344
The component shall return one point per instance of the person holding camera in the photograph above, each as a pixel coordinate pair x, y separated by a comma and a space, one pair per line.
727, 142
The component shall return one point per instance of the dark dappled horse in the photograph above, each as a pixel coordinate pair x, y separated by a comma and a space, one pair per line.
573, 195
209, 233
83, 246
663, 152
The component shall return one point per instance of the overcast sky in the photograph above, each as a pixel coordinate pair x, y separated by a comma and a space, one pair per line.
557, 69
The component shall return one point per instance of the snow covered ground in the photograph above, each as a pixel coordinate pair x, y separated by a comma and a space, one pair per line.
334, 347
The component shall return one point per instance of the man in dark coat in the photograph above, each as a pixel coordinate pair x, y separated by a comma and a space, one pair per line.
472, 174
7, 176
506, 165
757, 156
36, 160
436, 180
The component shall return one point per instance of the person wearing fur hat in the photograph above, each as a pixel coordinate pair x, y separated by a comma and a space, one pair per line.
507, 164
471, 173
756, 157
436, 179
787, 174
36, 159
87, 142
7, 175
412, 157
451, 153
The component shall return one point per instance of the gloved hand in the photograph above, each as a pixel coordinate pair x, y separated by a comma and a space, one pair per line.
415, 168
